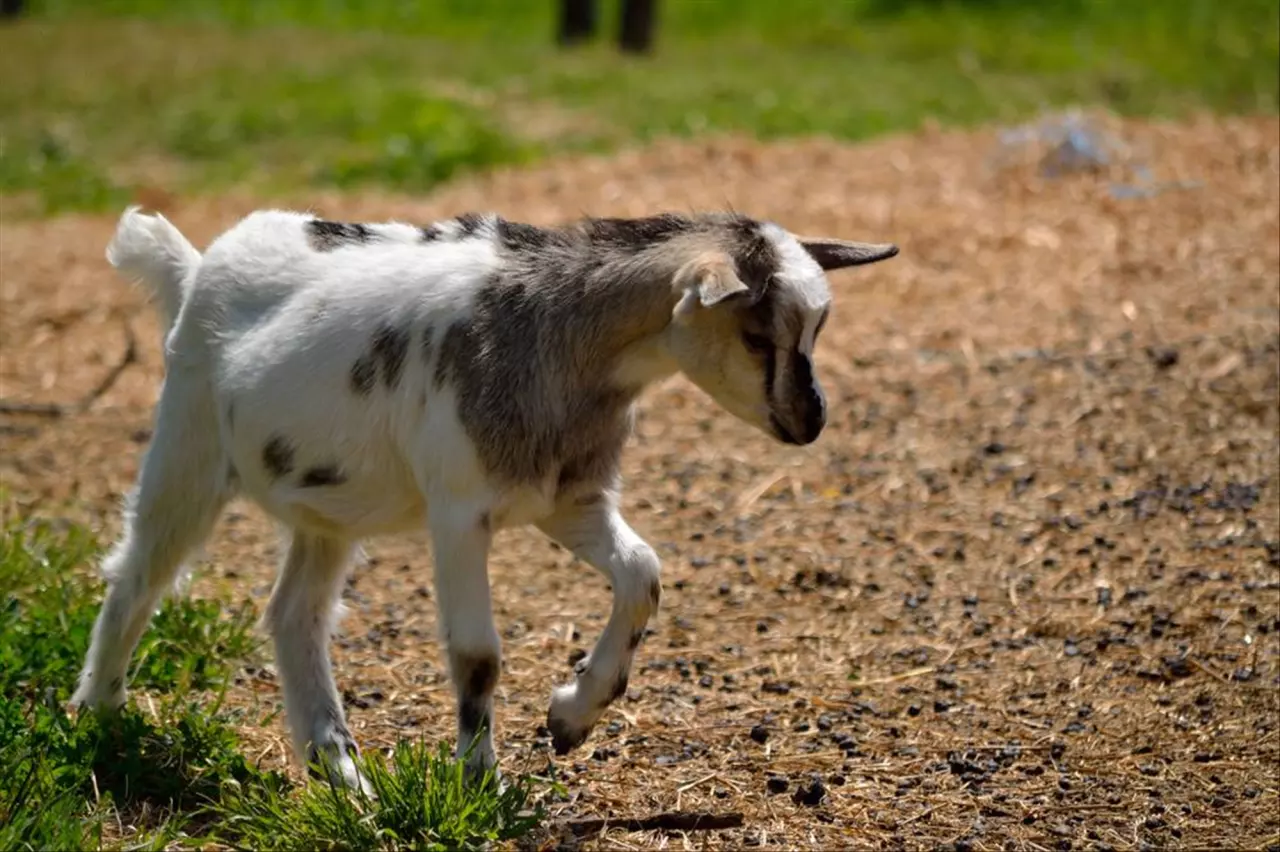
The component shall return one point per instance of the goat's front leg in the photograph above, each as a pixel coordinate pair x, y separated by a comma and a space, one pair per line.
461, 541
595, 532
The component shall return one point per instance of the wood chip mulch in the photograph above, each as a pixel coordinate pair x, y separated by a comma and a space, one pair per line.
1024, 593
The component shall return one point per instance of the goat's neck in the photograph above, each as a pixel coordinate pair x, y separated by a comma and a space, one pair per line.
632, 312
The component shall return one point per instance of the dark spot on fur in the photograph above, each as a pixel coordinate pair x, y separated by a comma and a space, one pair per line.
364, 372
486, 523
231, 414
480, 674
322, 475
327, 236
277, 456
116, 684
390, 345
431, 233
469, 224
473, 714
477, 677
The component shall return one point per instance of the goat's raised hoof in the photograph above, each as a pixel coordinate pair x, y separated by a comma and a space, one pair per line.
565, 739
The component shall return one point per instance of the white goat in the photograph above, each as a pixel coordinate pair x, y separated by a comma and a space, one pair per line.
347, 377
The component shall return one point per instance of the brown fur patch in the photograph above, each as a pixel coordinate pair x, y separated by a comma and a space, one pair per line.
554, 325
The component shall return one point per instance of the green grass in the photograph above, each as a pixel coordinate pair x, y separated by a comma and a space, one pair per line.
421, 801
177, 773
50, 602
102, 97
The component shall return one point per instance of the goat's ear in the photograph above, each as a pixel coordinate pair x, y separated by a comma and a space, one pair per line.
712, 277
837, 254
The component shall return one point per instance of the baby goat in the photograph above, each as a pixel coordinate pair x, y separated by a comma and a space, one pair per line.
468, 376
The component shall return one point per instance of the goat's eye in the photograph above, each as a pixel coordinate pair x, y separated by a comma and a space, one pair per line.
756, 342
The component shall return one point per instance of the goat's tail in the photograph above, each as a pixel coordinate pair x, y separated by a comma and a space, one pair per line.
150, 249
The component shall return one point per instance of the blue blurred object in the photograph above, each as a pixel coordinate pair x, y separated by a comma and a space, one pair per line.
1078, 145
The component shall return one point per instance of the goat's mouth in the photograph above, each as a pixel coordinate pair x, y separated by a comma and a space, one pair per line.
782, 433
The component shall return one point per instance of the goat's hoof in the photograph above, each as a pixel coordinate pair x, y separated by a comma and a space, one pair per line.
88, 698
473, 773
565, 737
568, 720
338, 770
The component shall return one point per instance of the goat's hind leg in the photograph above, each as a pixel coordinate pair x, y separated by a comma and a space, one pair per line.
181, 488
300, 617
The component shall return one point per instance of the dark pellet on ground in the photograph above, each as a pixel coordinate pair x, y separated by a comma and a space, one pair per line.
1163, 357
760, 734
811, 794
776, 784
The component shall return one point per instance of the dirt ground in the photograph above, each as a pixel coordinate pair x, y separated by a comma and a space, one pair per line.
1023, 593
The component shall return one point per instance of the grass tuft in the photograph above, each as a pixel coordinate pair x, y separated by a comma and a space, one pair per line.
49, 606
421, 800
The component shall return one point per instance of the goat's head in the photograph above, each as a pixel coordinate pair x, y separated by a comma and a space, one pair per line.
753, 299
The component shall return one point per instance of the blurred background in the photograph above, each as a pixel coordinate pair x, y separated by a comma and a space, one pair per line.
102, 99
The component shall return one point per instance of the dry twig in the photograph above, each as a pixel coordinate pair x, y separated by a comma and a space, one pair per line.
669, 821
66, 409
